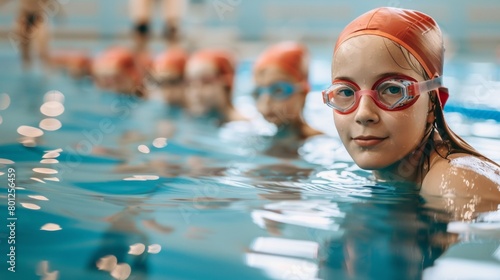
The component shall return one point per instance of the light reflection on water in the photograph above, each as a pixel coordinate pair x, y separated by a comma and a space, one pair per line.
126, 189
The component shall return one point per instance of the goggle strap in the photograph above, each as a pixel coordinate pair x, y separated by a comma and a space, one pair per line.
427, 86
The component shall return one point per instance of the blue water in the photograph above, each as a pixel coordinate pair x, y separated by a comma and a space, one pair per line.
127, 188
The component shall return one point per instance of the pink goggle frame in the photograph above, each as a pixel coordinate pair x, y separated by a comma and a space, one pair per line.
389, 93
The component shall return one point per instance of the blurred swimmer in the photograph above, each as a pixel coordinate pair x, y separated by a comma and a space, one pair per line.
75, 63
210, 77
387, 98
141, 12
116, 69
281, 78
31, 26
167, 73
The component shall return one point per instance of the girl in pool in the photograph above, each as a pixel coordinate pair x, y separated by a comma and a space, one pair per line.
210, 77
281, 78
387, 98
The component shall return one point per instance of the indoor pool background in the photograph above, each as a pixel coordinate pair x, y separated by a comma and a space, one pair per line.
118, 187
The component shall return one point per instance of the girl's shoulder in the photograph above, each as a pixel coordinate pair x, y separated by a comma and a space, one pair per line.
463, 175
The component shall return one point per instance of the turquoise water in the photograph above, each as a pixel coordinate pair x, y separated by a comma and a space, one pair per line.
127, 188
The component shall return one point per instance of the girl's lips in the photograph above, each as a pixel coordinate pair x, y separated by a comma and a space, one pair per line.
368, 141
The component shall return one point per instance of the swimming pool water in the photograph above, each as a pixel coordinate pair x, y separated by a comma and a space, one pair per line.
123, 188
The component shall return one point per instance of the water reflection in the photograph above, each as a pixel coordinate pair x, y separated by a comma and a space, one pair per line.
31, 206
359, 234
51, 227
44, 273
160, 142
477, 256
388, 240
50, 124
52, 108
29, 131
120, 244
278, 267
154, 248
4, 101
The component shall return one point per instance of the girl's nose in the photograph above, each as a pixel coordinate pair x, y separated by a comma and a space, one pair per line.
264, 104
367, 111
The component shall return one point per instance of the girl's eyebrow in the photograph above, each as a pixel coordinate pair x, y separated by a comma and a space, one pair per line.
378, 77
389, 74
342, 78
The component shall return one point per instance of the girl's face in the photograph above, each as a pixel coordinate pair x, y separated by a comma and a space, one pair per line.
282, 109
376, 138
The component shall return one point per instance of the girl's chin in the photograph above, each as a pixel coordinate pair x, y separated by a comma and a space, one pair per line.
371, 164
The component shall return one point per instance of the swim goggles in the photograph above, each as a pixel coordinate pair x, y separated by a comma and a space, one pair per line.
279, 90
169, 82
390, 94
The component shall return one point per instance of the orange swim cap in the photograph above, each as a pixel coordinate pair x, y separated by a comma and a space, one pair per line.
223, 61
290, 57
115, 58
117, 61
171, 60
415, 31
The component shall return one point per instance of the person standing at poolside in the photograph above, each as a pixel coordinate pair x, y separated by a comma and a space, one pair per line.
388, 97
141, 12
31, 26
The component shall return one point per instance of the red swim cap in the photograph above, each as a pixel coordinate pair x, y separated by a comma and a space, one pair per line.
290, 57
116, 57
415, 31
222, 60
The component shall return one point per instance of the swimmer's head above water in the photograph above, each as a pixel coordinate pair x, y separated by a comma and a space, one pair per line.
210, 77
281, 79
388, 97
167, 72
116, 69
